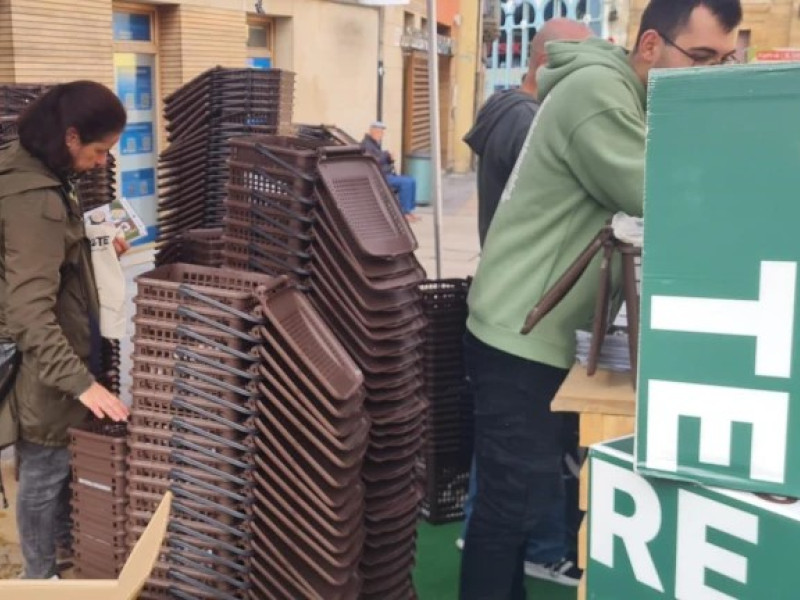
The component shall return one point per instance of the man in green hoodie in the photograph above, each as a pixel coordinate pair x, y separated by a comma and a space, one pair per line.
587, 163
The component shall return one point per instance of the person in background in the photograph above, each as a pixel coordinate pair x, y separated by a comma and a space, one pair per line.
587, 163
497, 138
49, 306
404, 186
503, 122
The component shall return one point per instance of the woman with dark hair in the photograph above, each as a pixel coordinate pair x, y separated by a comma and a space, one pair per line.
49, 305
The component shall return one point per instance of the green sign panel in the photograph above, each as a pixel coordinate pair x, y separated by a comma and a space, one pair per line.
719, 383
655, 538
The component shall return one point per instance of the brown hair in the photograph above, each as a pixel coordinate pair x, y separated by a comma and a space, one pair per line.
91, 108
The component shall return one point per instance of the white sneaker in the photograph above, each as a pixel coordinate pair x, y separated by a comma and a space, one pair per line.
563, 572
460, 543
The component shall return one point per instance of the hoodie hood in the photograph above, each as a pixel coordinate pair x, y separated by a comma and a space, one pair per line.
490, 115
564, 58
20, 172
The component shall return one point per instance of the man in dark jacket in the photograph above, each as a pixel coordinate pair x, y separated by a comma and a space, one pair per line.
503, 122
497, 138
404, 185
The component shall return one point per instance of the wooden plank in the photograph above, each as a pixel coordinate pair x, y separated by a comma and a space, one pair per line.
606, 392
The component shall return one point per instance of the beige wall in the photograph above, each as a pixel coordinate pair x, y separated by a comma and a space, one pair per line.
393, 81
193, 39
466, 71
60, 40
333, 49
6, 45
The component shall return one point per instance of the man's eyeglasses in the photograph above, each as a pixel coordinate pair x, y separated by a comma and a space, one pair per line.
699, 58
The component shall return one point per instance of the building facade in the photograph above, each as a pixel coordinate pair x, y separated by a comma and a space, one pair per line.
354, 63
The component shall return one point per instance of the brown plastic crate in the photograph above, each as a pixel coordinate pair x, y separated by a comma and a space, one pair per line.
108, 481
361, 201
233, 288
147, 366
372, 267
322, 466
278, 367
309, 340
160, 418
341, 439
274, 552
193, 406
313, 490
276, 181
325, 451
197, 336
296, 152
343, 546
103, 438
239, 401
266, 492
174, 312
266, 197
302, 550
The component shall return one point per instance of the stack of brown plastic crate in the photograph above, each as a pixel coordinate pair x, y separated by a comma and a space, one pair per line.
98, 453
365, 281
201, 118
325, 211
191, 425
312, 429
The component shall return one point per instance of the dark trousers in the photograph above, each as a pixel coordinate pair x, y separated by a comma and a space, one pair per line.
518, 459
557, 537
43, 506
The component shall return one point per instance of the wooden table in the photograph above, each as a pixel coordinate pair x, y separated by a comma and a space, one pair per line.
606, 403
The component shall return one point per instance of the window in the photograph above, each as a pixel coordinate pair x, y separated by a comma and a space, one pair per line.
132, 27
742, 45
408, 22
260, 43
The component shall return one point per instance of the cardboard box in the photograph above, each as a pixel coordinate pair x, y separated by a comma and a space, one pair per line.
659, 538
719, 377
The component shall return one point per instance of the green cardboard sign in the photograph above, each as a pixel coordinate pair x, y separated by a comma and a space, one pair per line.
654, 538
719, 380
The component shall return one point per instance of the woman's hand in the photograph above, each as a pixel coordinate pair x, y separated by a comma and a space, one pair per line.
103, 403
121, 245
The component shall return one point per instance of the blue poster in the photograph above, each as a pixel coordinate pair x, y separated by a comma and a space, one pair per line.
137, 139
131, 27
144, 88
126, 85
135, 87
138, 183
259, 63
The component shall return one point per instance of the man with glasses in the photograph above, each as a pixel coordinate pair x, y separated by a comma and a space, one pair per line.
586, 164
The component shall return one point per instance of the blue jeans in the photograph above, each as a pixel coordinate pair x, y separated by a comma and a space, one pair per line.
518, 457
43, 506
406, 188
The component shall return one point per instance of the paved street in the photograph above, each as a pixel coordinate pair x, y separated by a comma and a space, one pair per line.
460, 248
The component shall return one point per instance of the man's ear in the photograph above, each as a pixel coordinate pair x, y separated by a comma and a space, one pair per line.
650, 46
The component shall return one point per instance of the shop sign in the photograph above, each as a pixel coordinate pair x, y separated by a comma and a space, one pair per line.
781, 55
655, 538
416, 39
719, 384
